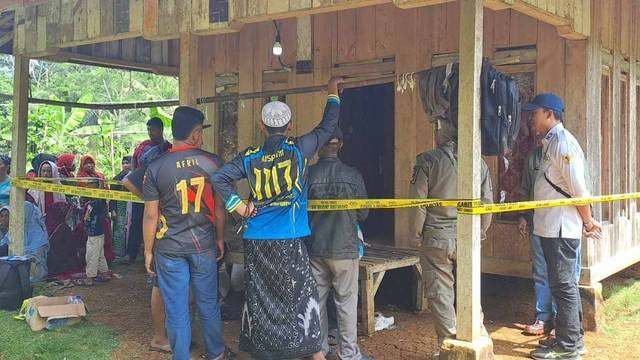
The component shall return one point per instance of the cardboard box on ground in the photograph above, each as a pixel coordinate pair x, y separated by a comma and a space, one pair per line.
53, 312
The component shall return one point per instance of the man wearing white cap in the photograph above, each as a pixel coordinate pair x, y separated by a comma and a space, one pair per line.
281, 315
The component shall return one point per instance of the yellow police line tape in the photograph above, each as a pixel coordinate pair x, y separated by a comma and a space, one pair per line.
473, 207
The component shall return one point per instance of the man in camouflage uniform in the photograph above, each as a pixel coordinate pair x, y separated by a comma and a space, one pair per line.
433, 230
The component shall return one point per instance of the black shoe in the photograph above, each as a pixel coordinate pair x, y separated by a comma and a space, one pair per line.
554, 353
547, 343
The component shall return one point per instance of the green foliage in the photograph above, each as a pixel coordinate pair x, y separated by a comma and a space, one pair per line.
108, 135
622, 308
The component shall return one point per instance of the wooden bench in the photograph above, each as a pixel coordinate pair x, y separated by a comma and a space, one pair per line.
373, 266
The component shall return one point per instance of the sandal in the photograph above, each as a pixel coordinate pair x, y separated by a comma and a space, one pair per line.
102, 279
83, 282
226, 354
166, 348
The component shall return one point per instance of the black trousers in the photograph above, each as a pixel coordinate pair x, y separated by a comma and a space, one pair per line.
135, 232
560, 255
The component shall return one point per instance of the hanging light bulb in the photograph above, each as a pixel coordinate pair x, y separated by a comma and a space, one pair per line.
277, 47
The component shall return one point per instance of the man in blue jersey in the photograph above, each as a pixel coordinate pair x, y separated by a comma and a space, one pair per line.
281, 316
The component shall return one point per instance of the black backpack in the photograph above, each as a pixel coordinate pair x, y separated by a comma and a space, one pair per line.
15, 285
500, 110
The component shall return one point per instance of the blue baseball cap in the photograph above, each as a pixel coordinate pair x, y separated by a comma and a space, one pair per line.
547, 101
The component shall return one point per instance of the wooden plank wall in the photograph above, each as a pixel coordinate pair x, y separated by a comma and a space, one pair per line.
157, 56
412, 36
616, 37
64, 23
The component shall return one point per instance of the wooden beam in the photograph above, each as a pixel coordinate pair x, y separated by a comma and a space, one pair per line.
150, 21
292, 91
111, 63
19, 152
317, 7
610, 266
410, 4
14, 4
97, 106
469, 162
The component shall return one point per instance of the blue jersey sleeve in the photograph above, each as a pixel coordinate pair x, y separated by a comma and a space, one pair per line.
223, 181
310, 143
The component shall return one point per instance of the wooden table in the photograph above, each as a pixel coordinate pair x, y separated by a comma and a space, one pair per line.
373, 266
376, 262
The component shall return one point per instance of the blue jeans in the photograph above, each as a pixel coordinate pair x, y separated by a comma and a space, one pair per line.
175, 273
545, 307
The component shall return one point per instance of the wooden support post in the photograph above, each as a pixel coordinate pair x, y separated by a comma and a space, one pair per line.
592, 307
367, 295
188, 69
191, 83
593, 130
420, 301
468, 278
18, 152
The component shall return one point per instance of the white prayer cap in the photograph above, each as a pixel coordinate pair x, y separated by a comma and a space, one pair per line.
276, 114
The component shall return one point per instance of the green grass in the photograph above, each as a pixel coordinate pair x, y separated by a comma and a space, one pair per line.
622, 308
83, 341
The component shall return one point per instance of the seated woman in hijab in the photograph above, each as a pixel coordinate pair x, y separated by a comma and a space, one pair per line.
66, 246
36, 242
44, 199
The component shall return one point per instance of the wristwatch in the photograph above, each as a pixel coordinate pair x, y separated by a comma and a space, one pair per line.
586, 225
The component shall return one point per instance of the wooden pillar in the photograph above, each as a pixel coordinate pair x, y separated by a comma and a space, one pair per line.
191, 84
19, 152
593, 105
469, 178
405, 120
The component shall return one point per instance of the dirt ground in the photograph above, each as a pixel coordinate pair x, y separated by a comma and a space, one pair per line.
123, 305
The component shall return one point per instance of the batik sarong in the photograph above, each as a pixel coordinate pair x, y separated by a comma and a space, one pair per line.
281, 315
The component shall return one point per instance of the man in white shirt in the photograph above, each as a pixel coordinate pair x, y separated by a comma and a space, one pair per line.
561, 175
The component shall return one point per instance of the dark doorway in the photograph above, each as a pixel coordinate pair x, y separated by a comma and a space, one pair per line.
367, 121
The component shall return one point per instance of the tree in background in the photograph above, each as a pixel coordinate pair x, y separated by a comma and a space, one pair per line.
108, 135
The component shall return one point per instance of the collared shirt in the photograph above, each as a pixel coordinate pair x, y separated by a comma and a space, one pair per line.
435, 176
564, 165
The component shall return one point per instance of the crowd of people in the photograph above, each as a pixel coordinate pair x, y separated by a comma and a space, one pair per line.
293, 260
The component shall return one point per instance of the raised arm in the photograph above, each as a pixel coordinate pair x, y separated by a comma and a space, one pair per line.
310, 143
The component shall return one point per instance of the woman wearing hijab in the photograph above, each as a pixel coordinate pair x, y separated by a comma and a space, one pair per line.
37, 161
66, 165
36, 241
43, 199
88, 170
66, 252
